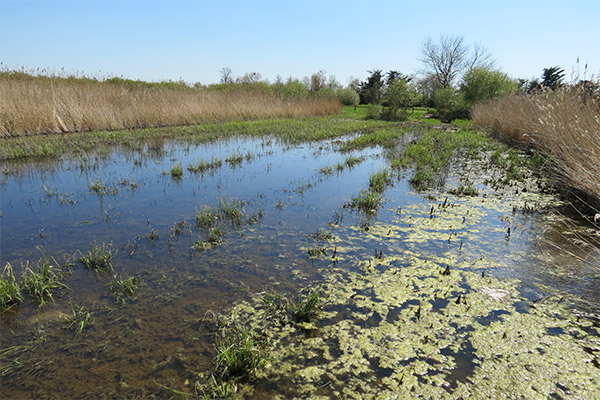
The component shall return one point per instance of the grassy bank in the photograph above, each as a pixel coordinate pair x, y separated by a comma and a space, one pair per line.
33, 105
289, 130
563, 126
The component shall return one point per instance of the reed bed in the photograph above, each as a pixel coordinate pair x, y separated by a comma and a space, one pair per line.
564, 126
31, 105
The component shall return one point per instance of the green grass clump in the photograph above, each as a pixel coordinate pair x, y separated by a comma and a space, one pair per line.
326, 170
10, 290
432, 153
40, 281
232, 210
78, 319
303, 309
306, 307
101, 189
204, 166
206, 217
122, 288
176, 171
367, 202
98, 259
234, 160
238, 354
379, 181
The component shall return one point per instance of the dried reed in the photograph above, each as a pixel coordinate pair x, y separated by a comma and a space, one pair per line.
564, 125
33, 105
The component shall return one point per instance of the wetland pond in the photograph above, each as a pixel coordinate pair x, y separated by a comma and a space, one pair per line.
432, 294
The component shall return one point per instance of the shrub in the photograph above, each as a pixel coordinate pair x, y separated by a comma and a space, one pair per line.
373, 111
450, 104
482, 84
347, 97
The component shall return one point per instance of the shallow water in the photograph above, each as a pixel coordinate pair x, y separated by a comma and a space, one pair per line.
162, 334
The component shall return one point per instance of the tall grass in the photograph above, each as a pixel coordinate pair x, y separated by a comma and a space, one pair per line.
564, 126
32, 105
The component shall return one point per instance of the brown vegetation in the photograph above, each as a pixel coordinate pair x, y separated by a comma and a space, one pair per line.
564, 126
33, 105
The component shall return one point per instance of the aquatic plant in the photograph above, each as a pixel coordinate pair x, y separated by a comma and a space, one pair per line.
121, 288
39, 281
10, 290
98, 259
326, 170
78, 319
206, 217
234, 160
176, 171
306, 307
351, 161
101, 189
238, 354
232, 211
367, 202
379, 181
468, 190
203, 166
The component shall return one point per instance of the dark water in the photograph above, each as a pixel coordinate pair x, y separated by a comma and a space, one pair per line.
163, 332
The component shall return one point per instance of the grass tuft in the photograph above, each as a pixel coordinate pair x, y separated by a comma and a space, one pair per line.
40, 281
98, 259
10, 290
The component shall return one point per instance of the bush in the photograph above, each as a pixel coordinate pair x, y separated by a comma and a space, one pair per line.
373, 111
347, 97
483, 84
450, 104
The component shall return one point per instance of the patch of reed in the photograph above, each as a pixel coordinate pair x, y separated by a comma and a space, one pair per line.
564, 126
34, 105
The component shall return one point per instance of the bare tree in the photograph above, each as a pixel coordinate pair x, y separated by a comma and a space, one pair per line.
452, 57
226, 75
480, 57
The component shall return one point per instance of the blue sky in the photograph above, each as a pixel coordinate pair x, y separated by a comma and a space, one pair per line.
194, 40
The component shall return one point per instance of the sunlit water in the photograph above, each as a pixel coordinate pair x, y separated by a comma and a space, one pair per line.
160, 334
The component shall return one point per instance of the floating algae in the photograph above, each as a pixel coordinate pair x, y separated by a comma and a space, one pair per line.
422, 318
403, 331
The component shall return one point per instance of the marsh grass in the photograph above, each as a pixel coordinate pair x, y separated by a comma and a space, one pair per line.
304, 308
206, 217
366, 202
563, 126
204, 166
40, 281
10, 290
379, 181
430, 156
34, 105
78, 319
102, 189
290, 131
98, 259
122, 288
176, 171
234, 160
232, 211
238, 353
